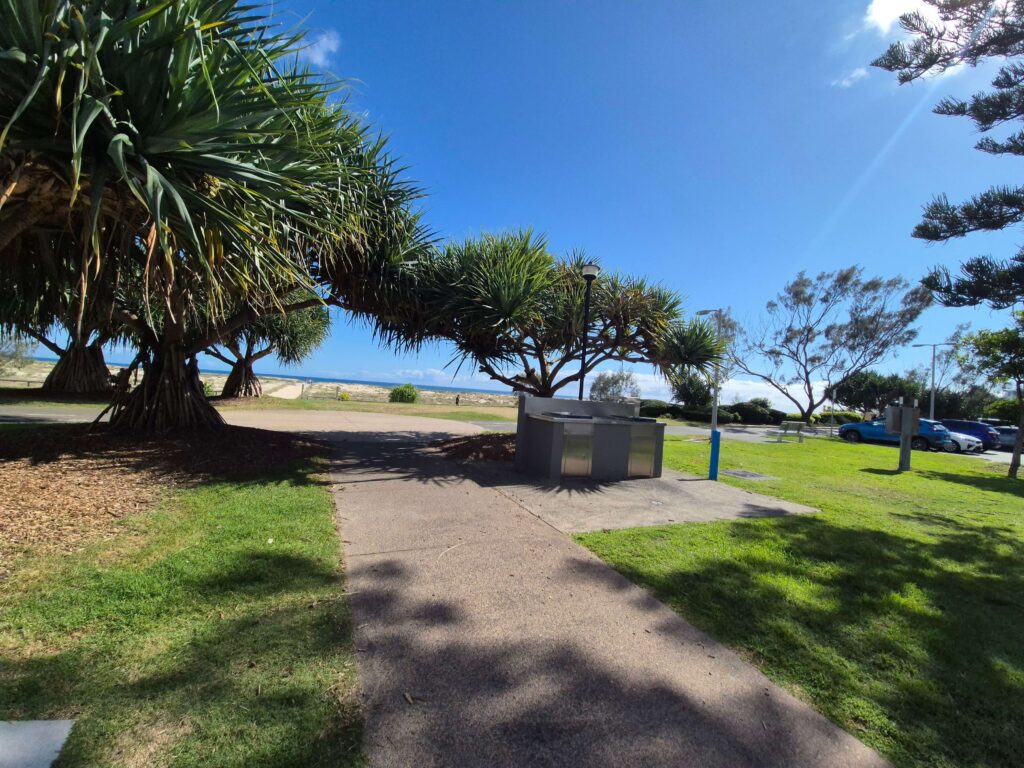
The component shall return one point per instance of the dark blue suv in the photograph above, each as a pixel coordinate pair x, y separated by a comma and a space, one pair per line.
984, 432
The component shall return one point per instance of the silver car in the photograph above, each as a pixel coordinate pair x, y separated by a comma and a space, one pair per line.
962, 443
1007, 437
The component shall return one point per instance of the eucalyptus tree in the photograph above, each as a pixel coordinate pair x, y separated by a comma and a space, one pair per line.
820, 331
615, 385
292, 337
12, 353
191, 154
999, 357
516, 312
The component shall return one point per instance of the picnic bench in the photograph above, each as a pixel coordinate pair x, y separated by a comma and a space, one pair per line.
788, 428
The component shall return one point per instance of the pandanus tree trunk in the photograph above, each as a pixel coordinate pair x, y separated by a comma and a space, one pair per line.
80, 369
170, 395
242, 381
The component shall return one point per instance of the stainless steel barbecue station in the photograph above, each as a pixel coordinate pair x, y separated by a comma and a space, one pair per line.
560, 438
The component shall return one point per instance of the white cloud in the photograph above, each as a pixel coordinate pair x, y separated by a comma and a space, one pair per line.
953, 71
883, 15
741, 390
654, 387
321, 47
845, 82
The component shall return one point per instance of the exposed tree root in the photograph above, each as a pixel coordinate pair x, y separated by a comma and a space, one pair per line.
170, 396
80, 370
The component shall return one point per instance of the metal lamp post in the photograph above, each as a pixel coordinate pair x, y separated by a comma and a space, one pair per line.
590, 273
716, 436
931, 406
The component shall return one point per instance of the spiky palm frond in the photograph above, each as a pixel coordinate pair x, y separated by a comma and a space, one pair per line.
508, 304
692, 346
188, 126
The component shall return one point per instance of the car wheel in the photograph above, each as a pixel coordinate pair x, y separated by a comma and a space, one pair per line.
956, 447
852, 436
919, 444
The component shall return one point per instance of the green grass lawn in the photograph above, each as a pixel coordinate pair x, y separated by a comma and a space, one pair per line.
898, 611
435, 411
213, 631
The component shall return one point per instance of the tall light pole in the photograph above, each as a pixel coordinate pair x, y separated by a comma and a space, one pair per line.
716, 436
590, 273
931, 406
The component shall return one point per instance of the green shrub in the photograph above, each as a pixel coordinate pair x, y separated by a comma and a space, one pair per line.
404, 393
1004, 410
759, 411
752, 412
208, 389
725, 416
345, 396
659, 409
656, 409
841, 417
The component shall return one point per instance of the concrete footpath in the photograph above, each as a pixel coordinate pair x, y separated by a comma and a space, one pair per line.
486, 637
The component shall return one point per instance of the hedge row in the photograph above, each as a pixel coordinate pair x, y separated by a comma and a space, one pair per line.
841, 417
735, 413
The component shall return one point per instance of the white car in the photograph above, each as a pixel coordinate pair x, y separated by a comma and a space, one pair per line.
962, 443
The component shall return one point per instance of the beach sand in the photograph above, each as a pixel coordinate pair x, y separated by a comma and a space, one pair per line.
34, 372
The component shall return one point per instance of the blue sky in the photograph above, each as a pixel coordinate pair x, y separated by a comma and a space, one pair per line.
719, 148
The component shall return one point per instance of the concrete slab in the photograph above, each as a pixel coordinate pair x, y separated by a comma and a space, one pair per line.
32, 743
579, 506
485, 637
746, 474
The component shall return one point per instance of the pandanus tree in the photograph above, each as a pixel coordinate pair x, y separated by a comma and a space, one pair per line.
516, 312
292, 337
42, 299
179, 144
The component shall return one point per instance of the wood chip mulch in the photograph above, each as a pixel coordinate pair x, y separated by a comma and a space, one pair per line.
479, 448
61, 486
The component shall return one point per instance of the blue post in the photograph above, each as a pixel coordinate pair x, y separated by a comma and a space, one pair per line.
716, 439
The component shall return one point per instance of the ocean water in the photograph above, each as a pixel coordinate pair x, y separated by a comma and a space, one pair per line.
389, 384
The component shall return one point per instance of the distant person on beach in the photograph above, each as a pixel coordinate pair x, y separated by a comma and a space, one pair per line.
456, 400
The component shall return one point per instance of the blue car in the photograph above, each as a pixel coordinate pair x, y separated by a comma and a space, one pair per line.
931, 435
984, 432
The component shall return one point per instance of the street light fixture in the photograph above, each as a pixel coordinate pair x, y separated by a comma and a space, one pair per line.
931, 406
716, 436
590, 273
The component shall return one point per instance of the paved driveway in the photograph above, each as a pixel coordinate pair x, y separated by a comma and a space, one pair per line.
487, 638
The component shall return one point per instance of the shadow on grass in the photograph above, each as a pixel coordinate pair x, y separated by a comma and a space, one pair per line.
914, 642
881, 472
994, 483
258, 682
